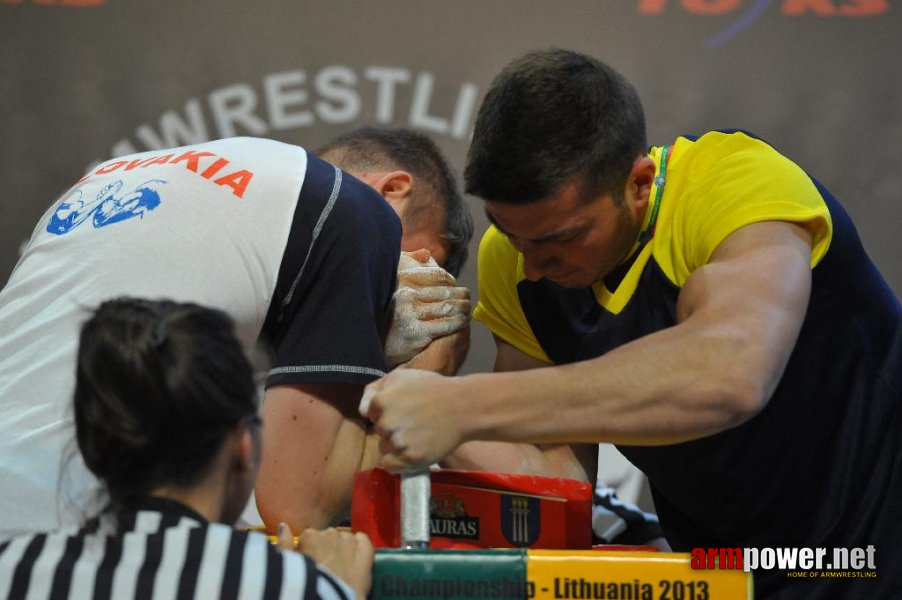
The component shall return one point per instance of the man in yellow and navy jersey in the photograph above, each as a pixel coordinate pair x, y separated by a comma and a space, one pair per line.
705, 305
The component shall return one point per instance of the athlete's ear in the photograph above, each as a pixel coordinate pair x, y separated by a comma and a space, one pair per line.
394, 185
639, 180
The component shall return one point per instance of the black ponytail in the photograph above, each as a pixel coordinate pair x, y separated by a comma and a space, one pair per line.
159, 385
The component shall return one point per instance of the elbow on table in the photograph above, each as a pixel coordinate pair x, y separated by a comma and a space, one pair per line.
274, 507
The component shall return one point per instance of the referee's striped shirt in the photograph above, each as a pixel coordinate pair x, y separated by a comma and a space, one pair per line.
158, 549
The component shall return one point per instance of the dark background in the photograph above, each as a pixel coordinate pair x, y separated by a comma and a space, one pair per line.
84, 80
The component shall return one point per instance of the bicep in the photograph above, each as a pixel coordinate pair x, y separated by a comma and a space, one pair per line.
755, 289
313, 443
312, 414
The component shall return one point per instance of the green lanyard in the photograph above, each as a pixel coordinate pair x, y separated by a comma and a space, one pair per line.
659, 182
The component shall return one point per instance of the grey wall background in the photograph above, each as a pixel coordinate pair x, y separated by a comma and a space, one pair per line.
84, 80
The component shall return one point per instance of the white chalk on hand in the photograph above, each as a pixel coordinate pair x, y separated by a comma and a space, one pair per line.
397, 434
397, 439
367, 397
407, 262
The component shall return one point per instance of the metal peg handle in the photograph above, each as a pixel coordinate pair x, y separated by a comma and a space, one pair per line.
415, 495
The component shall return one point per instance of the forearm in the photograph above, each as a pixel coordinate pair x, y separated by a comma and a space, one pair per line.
544, 460
444, 355
649, 392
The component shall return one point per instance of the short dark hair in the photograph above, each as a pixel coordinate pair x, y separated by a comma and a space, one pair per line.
371, 147
550, 118
159, 385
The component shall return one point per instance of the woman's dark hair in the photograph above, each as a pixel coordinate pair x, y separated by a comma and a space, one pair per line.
159, 385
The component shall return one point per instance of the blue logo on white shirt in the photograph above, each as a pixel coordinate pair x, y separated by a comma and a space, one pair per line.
108, 207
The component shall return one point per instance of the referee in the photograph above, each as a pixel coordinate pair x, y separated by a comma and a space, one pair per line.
166, 417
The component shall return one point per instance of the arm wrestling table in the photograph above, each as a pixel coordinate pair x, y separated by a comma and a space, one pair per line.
467, 534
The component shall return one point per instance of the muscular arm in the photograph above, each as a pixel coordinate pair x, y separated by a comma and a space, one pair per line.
738, 320
314, 439
444, 355
313, 443
578, 461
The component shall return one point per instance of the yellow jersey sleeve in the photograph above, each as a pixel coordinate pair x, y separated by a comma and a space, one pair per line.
733, 180
500, 269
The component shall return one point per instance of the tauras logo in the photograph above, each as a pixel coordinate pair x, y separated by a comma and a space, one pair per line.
460, 528
449, 518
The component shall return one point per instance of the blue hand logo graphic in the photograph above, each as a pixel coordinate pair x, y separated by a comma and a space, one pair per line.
107, 207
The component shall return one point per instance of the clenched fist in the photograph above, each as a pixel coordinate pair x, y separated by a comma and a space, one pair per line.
427, 305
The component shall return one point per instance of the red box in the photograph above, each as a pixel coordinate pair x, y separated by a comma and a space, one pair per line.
476, 509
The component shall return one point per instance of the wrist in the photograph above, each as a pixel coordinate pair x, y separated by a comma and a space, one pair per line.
462, 409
